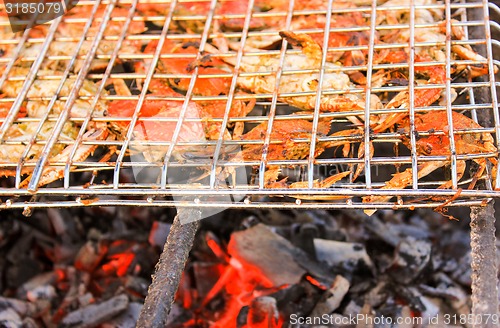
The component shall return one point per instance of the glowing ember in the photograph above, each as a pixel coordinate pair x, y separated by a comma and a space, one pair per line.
316, 282
240, 287
119, 264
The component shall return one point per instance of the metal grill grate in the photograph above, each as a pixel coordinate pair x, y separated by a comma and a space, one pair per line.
63, 82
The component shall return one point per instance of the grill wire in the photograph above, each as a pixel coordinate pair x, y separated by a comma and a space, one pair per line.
61, 71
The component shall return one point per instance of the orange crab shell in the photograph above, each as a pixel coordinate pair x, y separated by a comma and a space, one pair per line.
158, 130
213, 86
113, 28
285, 132
5, 108
439, 144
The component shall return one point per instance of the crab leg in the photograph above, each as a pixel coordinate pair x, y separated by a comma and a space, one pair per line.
439, 145
402, 180
326, 183
423, 97
289, 149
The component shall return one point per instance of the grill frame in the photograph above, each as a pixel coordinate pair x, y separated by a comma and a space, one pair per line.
71, 195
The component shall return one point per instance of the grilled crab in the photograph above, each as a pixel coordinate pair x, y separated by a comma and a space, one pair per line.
438, 144
266, 66
19, 135
286, 144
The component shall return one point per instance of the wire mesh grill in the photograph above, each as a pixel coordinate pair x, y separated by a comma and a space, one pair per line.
206, 103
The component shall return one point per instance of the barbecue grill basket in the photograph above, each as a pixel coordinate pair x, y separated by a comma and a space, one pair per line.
186, 173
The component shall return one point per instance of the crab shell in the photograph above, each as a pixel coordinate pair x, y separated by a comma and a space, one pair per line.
439, 144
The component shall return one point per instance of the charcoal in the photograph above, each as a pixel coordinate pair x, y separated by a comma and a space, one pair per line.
411, 258
348, 256
263, 313
384, 232
440, 263
29, 323
46, 292
21, 307
412, 297
366, 317
388, 264
455, 243
241, 319
275, 217
175, 315
57, 220
250, 221
90, 255
311, 297
158, 233
463, 271
450, 291
323, 275
393, 311
137, 285
432, 308
290, 298
95, 314
352, 309
37, 285
63, 223
85, 299
326, 223
377, 295
332, 297
64, 253
215, 246
9, 229
108, 210
127, 319
303, 236
10, 319
447, 293
359, 284
270, 253
77, 282
23, 269
404, 229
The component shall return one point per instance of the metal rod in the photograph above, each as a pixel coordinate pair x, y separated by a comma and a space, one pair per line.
484, 265
189, 93
483, 240
449, 111
314, 130
28, 80
169, 269
274, 100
